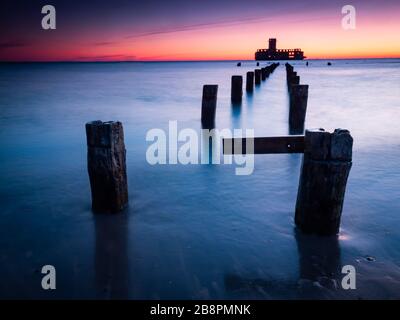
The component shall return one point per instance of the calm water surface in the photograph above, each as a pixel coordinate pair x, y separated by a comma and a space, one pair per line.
195, 231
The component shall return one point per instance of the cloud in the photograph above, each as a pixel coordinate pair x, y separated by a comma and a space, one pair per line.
288, 16
120, 57
105, 43
12, 44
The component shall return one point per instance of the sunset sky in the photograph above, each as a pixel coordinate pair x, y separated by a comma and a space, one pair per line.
122, 30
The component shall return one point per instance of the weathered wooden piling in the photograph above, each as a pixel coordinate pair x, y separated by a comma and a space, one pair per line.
236, 88
297, 108
290, 75
274, 66
257, 76
326, 165
106, 161
289, 67
250, 81
293, 80
263, 74
209, 104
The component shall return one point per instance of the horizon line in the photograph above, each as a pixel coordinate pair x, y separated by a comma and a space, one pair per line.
187, 60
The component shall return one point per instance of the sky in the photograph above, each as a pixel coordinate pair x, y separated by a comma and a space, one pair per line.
169, 30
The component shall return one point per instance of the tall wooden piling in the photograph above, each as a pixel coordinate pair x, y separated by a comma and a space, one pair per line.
289, 67
209, 104
326, 165
297, 108
236, 88
106, 161
290, 75
257, 76
250, 81
293, 80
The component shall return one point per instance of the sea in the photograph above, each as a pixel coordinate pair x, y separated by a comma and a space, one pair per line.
193, 231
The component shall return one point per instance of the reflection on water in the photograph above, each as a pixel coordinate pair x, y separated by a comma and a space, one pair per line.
211, 146
319, 273
319, 261
236, 109
111, 256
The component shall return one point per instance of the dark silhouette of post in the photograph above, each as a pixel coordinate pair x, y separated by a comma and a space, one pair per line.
263, 74
250, 81
236, 88
297, 108
319, 260
209, 105
289, 76
326, 165
111, 265
293, 80
106, 160
257, 76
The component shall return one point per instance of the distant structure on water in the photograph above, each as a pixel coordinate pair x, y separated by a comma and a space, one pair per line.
278, 54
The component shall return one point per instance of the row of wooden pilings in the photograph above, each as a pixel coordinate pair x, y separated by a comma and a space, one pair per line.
210, 91
325, 167
298, 96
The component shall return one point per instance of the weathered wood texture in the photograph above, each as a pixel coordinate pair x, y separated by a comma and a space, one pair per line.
326, 165
236, 88
106, 160
265, 145
209, 105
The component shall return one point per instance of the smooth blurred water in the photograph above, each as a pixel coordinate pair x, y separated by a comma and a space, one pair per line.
194, 231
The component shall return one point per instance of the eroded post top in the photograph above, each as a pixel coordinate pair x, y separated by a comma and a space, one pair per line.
323, 145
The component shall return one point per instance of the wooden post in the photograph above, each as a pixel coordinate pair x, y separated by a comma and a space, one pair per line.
263, 73
293, 80
209, 104
249, 81
326, 165
106, 160
290, 75
297, 108
257, 76
289, 67
236, 88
